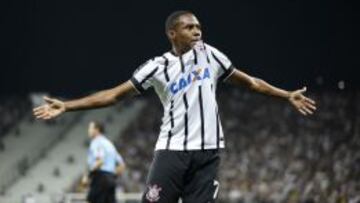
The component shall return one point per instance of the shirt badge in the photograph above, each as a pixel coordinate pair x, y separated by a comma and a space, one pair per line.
153, 194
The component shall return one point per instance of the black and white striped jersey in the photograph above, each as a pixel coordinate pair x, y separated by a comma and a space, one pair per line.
186, 86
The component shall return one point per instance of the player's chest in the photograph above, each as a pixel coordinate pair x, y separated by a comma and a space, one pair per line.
179, 77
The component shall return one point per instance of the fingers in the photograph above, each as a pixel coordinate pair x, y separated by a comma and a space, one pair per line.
41, 115
48, 100
302, 112
305, 111
308, 100
298, 94
303, 90
39, 109
306, 108
309, 103
45, 116
42, 112
311, 106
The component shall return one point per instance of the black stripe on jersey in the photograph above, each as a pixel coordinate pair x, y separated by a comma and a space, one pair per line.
149, 75
218, 61
138, 85
207, 56
202, 119
185, 121
226, 74
217, 130
195, 57
172, 124
172, 119
169, 138
182, 64
227, 71
166, 69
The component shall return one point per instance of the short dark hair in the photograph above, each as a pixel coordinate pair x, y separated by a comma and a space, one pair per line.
99, 126
172, 19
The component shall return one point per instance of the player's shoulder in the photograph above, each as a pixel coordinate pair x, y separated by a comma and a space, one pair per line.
215, 52
158, 60
152, 63
93, 144
108, 142
208, 46
211, 48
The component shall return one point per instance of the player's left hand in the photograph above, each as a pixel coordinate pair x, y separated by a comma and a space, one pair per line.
302, 103
84, 181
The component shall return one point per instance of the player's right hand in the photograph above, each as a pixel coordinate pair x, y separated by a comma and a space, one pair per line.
51, 109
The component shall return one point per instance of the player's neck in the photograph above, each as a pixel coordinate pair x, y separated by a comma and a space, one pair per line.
178, 50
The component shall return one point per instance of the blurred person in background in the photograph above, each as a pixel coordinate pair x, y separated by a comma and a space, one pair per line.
105, 164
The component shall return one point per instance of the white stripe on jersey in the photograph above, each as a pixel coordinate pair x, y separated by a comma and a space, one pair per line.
186, 86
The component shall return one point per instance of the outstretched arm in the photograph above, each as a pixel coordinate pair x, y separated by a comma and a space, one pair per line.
302, 103
55, 107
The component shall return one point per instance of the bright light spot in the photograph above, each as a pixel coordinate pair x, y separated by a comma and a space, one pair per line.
341, 84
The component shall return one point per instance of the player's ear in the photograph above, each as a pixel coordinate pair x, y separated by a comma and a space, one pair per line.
171, 34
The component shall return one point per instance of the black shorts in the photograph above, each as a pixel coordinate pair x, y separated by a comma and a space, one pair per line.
190, 176
102, 187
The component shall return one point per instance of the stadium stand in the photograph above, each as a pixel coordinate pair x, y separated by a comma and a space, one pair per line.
22, 142
25, 150
12, 109
65, 161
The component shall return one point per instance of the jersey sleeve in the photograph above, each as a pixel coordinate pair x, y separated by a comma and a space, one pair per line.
224, 67
142, 78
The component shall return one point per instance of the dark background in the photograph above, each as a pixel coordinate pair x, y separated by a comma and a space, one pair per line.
75, 47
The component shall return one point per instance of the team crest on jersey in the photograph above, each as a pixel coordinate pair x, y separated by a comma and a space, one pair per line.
184, 81
153, 194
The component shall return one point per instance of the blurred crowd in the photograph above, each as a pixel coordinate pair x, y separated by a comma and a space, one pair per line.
273, 154
276, 155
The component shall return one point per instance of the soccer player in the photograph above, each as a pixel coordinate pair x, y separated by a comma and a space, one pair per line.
105, 164
186, 155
